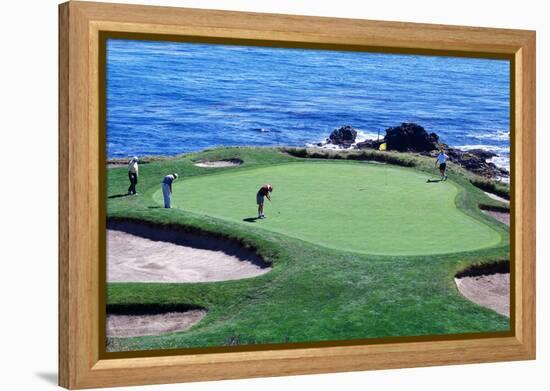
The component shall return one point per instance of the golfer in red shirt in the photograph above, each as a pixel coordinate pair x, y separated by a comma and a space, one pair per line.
263, 192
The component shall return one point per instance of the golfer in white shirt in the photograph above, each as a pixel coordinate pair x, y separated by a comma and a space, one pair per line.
442, 161
133, 171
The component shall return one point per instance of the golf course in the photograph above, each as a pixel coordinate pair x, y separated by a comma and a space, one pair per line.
355, 248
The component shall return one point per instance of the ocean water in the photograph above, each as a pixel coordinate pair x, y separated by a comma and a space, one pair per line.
166, 98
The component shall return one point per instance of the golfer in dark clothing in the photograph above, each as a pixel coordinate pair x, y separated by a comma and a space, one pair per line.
263, 192
133, 175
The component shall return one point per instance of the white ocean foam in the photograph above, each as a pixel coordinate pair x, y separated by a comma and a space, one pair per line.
504, 179
500, 135
500, 161
362, 135
490, 148
324, 145
503, 158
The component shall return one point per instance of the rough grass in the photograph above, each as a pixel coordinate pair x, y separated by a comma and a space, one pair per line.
313, 293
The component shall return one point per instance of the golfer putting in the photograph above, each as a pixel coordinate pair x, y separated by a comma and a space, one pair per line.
133, 170
442, 161
167, 188
339, 203
264, 191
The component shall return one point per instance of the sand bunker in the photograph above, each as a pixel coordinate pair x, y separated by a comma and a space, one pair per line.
492, 291
503, 217
498, 198
142, 253
487, 285
219, 163
123, 325
116, 165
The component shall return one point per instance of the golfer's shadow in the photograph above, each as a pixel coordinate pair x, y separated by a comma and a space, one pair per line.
434, 180
250, 219
119, 195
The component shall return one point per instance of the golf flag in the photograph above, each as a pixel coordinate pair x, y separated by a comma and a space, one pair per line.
382, 147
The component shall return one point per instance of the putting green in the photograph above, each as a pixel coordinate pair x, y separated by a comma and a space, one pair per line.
351, 206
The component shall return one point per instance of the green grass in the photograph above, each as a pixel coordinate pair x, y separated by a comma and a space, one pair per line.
315, 292
343, 205
405, 159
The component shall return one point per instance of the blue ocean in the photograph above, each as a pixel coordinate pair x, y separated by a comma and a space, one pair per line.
166, 98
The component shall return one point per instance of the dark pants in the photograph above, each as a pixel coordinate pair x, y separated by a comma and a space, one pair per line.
133, 183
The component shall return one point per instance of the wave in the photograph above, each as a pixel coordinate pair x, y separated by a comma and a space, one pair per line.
362, 135
491, 148
266, 130
500, 161
499, 135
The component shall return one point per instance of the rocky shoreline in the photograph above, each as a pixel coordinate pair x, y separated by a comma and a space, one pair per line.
407, 137
411, 137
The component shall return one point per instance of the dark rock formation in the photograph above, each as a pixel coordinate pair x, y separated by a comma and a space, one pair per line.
344, 136
372, 144
481, 153
410, 137
474, 160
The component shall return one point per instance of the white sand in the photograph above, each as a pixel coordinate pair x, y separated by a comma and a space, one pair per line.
138, 254
490, 291
116, 165
503, 217
219, 163
141, 253
139, 325
498, 198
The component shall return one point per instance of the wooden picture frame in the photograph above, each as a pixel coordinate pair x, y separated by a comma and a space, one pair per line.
81, 218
